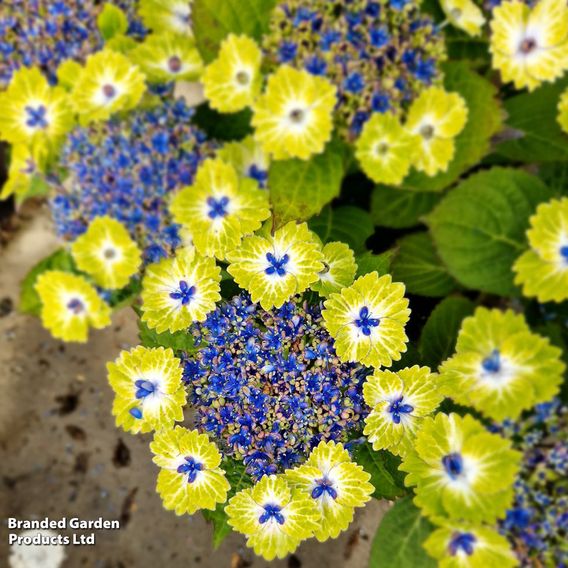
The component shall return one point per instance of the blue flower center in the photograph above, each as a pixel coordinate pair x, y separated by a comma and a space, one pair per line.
324, 486
184, 293
492, 364
462, 541
76, 306
109, 91
37, 117
191, 467
260, 175
218, 207
398, 407
136, 412
365, 321
564, 252
271, 512
276, 265
144, 388
453, 464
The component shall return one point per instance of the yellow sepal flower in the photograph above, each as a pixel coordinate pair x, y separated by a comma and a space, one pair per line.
190, 478
70, 306
148, 388
530, 45
167, 16
107, 253
294, 116
465, 15
233, 81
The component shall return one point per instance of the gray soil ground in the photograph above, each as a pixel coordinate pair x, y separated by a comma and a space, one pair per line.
61, 455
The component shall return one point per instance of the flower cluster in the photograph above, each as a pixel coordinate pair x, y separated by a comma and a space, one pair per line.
537, 522
379, 55
127, 168
45, 33
542, 270
268, 384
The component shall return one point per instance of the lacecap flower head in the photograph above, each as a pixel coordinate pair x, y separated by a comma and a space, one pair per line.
274, 268
268, 385
466, 545
168, 57
233, 81
459, 470
167, 16
45, 33
107, 253
399, 403
178, 291
500, 367
367, 320
335, 483
293, 118
339, 269
70, 306
149, 393
385, 149
378, 55
248, 158
190, 476
542, 271
33, 113
109, 82
529, 45
219, 208
436, 117
465, 15
274, 517
126, 168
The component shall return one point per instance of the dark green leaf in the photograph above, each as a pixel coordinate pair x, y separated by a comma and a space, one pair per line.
537, 136
214, 20
484, 121
224, 127
369, 262
112, 22
400, 208
348, 224
399, 538
383, 468
178, 341
438, 339
300, 189
30, 302
479, 227
418, 265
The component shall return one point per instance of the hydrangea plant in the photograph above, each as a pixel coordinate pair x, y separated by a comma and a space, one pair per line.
348, 257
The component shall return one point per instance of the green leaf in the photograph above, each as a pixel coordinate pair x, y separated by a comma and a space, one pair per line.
532, 117
239, 479
439, 335
400, 208
348, 224
383, 468
398, 540
479, 227
484, 121
30, 302
369, 262
214, 20
300, 189
112, 22
418, 265
555, 176
223, 127
178, 341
